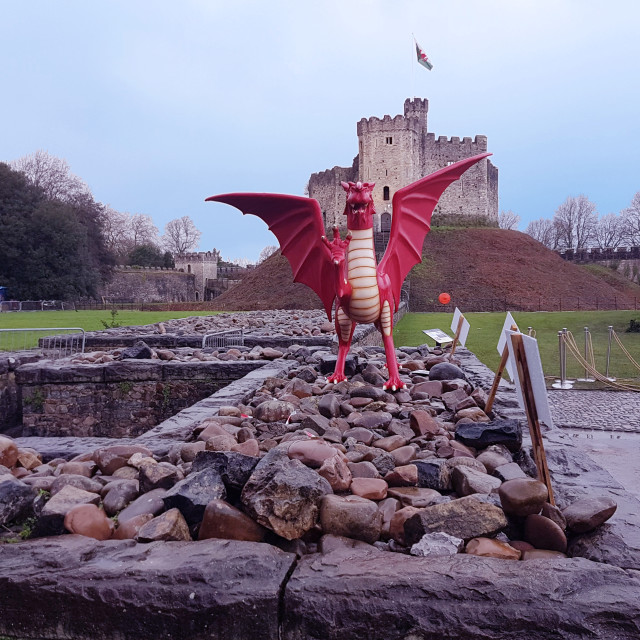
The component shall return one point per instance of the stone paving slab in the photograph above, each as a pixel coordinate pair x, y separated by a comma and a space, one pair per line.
606, 410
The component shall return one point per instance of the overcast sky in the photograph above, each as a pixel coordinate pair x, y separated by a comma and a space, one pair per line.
159, 104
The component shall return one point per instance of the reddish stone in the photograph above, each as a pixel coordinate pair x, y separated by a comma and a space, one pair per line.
403, 476
212, 429
312, 452
522, 496
89, 520
221, 520
370, 488
492, 548
414, 496
404, 455
387, 509
543, 533
396, 526
168, 527
8, 452
111, 458
129, 529
29, 458
364, 469
249, 447
335, 471
77, 468
351, 516
423, 423
390, 443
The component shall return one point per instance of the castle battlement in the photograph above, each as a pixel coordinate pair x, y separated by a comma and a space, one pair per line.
396, 151
199, 256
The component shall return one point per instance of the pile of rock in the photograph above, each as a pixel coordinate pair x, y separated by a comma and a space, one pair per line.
286, 323
142, 351
309, 466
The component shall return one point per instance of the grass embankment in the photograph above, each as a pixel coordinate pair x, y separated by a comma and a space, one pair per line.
485, 331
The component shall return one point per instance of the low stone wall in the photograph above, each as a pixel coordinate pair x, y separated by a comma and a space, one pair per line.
10, 396
116, 399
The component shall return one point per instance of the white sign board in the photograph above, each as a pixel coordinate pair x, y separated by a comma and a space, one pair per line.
438, 335
464, 330
508, 325
534, 365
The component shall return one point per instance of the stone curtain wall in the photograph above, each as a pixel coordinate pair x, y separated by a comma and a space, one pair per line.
150, 285
326, 189
116, 399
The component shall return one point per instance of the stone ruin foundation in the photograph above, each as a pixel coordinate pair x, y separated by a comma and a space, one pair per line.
281, 507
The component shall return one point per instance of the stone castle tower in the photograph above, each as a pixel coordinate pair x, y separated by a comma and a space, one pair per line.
394, 152
203, 265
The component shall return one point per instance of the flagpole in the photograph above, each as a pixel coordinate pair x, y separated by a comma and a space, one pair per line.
413, 81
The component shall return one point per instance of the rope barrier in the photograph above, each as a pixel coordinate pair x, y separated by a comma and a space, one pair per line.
570, 342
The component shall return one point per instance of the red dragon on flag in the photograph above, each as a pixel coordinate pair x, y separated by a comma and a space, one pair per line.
422, 58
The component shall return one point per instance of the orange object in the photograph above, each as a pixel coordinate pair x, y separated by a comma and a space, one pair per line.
444, 298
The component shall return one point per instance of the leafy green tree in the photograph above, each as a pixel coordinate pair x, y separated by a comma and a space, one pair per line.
49, 248
147, 255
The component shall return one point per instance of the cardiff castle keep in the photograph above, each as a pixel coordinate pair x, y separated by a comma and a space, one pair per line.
394, 152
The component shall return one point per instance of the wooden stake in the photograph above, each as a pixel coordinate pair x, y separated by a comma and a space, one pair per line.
454, 344
532, 413
498, 376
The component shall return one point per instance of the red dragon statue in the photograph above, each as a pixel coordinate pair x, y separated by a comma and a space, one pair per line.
346, 269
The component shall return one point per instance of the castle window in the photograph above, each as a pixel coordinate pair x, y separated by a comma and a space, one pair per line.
389, 140
385, 193
188, 268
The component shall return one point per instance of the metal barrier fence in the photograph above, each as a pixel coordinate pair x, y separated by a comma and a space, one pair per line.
36, 305
532, 303
53, 342
231, 338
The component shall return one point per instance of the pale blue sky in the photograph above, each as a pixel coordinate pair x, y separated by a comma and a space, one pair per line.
157, 104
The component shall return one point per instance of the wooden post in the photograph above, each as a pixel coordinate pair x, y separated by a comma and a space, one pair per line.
454, 344
532, 414
496, 380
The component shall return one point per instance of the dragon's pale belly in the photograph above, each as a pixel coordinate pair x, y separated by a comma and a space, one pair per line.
365, 297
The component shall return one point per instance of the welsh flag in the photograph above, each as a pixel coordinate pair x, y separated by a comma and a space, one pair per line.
422, 58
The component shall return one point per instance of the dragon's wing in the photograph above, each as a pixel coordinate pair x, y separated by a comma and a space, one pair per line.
297, 223
412, 209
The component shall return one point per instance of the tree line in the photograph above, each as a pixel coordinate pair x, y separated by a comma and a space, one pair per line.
57, 241
576, 224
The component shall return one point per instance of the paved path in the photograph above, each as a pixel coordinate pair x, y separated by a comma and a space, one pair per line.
601, 410
606, 426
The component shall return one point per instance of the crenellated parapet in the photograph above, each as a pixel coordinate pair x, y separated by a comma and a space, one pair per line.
394, 151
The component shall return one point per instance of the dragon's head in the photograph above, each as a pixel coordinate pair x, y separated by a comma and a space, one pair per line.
359, 209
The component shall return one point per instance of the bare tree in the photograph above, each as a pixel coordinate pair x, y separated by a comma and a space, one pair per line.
609, 231
141, 230
269, 250
631, 221
115, 225
544, 231
575, 220
508, 220
180, 236
52, 175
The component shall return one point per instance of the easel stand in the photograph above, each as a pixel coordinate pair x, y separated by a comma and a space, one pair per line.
539, 455
454, 344
498, 376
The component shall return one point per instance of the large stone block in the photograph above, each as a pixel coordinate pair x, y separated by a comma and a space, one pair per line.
76, 587
353, 594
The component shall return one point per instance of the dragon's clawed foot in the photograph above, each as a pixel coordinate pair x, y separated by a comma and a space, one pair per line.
394, 384
336, 377
337, 246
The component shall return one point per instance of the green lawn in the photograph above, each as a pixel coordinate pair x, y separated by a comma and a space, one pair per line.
485, 331
89, 320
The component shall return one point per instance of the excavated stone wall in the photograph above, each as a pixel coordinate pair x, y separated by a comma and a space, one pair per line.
116, 399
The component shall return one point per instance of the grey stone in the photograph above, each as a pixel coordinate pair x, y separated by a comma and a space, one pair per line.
328, 365
16, 499
372, 593
481, 435
139, 351
234, 468
284, 495
50, 522
446, 371
329, 406
193, 494
434, 474
211, 589
463, 518
121, 494
436, 544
